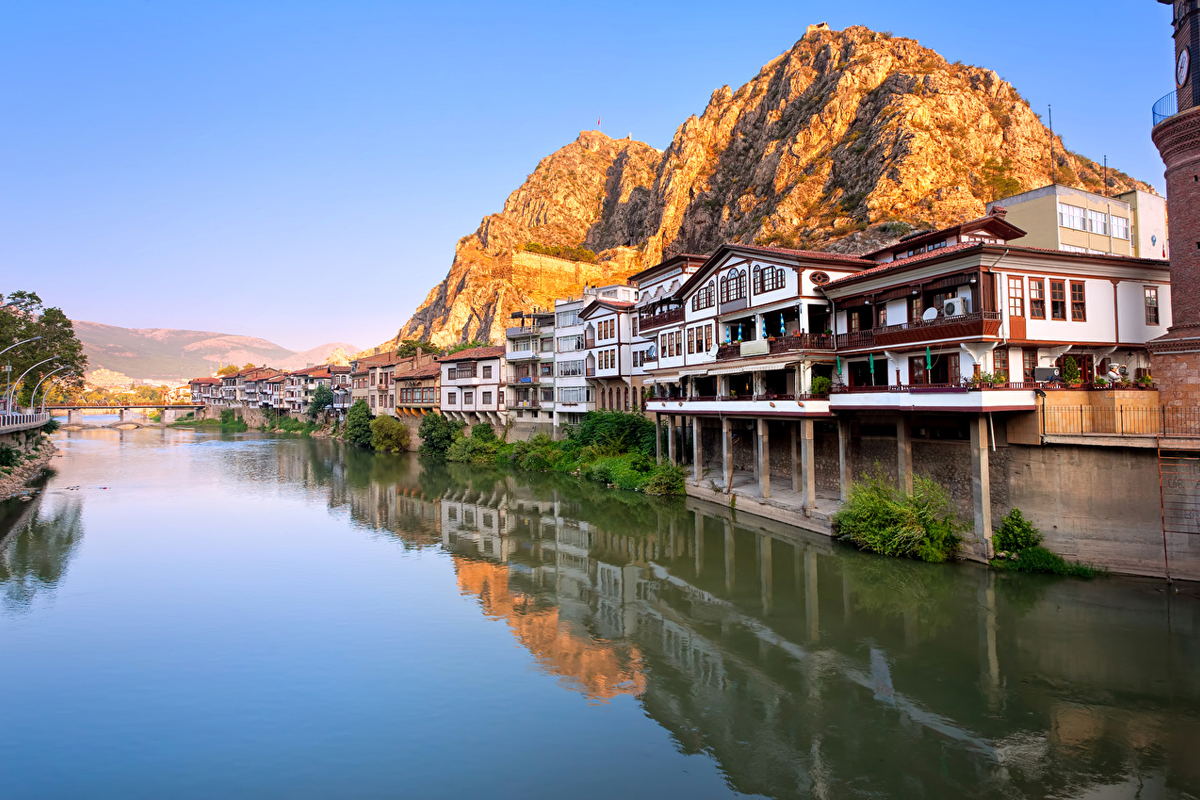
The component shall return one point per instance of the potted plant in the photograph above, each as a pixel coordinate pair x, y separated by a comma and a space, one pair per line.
1100, 382
1145, 382
1125, 383
820, 386
1071, 372
986, 379
1000, 379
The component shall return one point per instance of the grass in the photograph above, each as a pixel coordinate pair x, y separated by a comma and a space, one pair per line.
881, 519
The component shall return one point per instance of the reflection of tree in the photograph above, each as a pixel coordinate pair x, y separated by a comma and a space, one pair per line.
35, 554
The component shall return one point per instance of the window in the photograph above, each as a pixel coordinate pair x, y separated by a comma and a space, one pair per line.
1037, 298
914, 308
568, 369
705, 297
883, 315
468, 398
372, 401
1058, 300
662, 345
708, 337
1151, 305
691, 340
855, 321
573, 394
547, 395
819, 278
768, 279
1098, 222
1016, 296
487, 372
733, 286
487, 398
566, 318
1078, 302
1000, 360
1120, 227
451, 398
1071, 217
567, 344
1070, 248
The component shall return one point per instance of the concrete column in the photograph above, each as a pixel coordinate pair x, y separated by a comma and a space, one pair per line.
658, 438
764, 458
808, 459
794, 445
981, 484
904, 453
845, 471
122, 415
71, 416
697, 450
671, 438
727, 452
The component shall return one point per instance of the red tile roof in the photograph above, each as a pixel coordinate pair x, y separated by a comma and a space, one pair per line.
899, 262
475, 352
428, 371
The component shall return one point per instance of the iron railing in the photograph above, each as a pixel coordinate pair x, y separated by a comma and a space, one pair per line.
1120, 421
1166, 107
10, 423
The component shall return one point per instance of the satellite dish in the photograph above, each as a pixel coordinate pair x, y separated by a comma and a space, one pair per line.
930, 314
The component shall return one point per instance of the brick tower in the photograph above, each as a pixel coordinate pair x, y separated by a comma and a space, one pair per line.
1175, 357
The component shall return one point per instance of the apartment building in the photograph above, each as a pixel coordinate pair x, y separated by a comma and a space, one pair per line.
573, 396
530, 365
206, 391
300, 385
608, 347
416, 390
658, 309
1058, 217
473, 383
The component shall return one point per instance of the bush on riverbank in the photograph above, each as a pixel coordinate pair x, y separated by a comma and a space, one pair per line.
358, 424
228, 423
291, 425
1018, 549
879, 518
437, 434
480, 447
389, 434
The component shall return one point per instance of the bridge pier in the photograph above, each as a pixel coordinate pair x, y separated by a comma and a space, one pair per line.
122, 415
71, 416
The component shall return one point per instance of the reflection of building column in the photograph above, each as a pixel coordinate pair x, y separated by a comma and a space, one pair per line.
699, 547
847, 606
764, 572
728, 556
727, 452
764, 459
671, 446
697, 450
658, 438
812, 609
990, 663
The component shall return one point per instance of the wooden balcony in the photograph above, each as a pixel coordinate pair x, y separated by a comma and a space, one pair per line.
977, 324
781, 345
651, 321
852, 341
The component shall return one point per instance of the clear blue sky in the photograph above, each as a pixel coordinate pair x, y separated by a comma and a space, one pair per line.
301, 171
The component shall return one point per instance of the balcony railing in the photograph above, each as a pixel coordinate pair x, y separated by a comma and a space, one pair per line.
590, 372
589, 343
780, 345
525, 404
650, 321
1120, 421
849, 341
521, 355
1166, 107
977, 323
526, 330
523, 379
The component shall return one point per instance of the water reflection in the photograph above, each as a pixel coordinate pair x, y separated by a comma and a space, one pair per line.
37, 541
800, 666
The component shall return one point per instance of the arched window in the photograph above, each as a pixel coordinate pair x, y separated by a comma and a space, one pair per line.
758, 280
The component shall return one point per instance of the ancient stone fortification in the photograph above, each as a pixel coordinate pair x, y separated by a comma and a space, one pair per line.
839, 142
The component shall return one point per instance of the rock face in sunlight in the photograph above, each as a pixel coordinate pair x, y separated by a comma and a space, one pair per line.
843, 134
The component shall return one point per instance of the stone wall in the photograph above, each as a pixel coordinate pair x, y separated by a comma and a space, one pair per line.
39, 451
1176, 375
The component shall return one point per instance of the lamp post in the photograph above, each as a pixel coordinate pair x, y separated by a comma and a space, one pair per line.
8, 368
13, 388
33, 397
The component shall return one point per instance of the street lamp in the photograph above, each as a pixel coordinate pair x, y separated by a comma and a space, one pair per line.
9, 399
8, 368
33, 396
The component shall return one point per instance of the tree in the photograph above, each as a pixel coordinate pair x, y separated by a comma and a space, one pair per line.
26, 318
322, 399
410, 347
437, 434
467, 346
229, 369
248, 365
358, 424
389, 434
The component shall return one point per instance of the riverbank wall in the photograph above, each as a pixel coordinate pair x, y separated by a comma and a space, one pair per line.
37, 461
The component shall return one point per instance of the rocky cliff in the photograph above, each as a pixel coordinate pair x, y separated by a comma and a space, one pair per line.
845, 142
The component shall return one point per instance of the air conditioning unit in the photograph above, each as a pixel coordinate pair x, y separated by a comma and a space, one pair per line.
957, 306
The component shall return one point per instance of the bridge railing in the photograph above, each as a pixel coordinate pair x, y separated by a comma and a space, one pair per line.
11, 423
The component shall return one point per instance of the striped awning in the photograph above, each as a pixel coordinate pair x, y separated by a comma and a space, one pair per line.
747, 368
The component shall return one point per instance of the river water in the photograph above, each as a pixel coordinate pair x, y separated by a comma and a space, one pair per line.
189, 614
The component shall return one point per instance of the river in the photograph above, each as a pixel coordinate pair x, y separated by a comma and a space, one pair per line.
188, 614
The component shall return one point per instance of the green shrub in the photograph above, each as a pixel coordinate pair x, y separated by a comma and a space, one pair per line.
358, 424
666, 480
51, 426
10, 456
293, 425
389, 434
614, 432
1016, 533
484, 432
821, 386
879, 518
322, 399
228, 417
437, 433
480, 447
1039, 559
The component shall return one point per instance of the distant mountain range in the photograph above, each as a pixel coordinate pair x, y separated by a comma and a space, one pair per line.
162, 355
